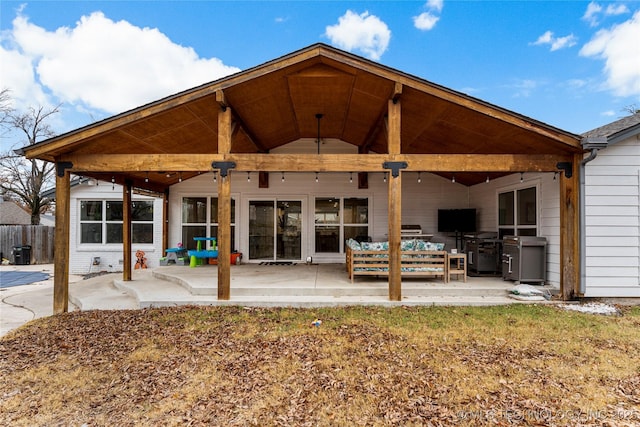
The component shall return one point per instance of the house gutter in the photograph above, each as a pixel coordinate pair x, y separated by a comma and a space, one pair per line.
594, 144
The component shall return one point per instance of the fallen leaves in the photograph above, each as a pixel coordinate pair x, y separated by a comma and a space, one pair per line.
235, 366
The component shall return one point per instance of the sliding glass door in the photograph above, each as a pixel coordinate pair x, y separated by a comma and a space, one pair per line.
275, 230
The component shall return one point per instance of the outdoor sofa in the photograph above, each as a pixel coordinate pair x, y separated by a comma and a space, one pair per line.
418, 259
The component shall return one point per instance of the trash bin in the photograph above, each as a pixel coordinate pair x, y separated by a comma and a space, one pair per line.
21, 255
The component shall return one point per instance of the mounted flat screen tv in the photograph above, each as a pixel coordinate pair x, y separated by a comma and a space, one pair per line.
456, 220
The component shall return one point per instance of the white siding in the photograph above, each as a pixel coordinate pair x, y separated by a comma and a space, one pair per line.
612, 221
111, 258
421, 201
484, 197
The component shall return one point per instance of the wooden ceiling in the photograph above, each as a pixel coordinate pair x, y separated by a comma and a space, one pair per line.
279, 102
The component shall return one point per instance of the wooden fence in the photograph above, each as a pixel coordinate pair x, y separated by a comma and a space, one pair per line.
39, 237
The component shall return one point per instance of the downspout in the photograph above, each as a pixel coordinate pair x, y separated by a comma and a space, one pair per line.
593, 144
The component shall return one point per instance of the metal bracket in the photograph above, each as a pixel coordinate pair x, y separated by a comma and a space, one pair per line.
395, 167
61, 167
567, 167
224, 167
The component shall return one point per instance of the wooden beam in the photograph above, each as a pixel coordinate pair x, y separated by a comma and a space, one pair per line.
394, 201
393, 132
224, 209
570, 232
321, 163
126, 231
61, 254
397, 92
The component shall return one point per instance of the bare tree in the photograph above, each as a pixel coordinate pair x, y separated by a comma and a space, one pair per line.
632, 109
24, 179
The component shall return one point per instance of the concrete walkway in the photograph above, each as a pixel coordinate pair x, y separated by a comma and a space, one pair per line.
298, 285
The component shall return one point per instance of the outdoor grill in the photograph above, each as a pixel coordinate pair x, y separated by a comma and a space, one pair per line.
410, 231
483, 253
524, 259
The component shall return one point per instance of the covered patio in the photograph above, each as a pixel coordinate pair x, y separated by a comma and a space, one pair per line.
397, 123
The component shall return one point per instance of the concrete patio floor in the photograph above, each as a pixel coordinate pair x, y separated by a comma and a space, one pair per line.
301, 285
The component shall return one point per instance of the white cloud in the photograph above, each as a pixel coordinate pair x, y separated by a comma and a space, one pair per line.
616, 9
590, 15
620, 50
365, 33
435, 5
555, 43
523, 88
101, 64
427, 20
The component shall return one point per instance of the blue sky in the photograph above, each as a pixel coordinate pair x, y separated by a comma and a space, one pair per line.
572, 64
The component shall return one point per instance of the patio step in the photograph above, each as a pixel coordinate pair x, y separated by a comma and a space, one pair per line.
297, 283
305, 287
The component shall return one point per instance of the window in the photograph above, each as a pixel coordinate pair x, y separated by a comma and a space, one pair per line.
518, 212
338, 219
200, 214
101, 221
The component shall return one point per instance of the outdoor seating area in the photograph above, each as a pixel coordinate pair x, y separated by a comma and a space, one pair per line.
418, 259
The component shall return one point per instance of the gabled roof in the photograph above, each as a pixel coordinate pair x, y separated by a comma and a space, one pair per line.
278, 102
12, 214
619, 130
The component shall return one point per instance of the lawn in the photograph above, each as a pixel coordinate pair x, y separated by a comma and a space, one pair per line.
507, 365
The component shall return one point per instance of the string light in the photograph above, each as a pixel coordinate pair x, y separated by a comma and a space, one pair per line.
521, 176
384, 177
248, 176
282, 179
419, 178
146, 178
316, 176
215, 176
180, 177
555, 174
113, 182
350, 177
487, 180
453, 179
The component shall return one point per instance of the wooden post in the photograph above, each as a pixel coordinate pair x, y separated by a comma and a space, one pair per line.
61, 255
394, 204
395, 219
224, 203
126, 231
569, 232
